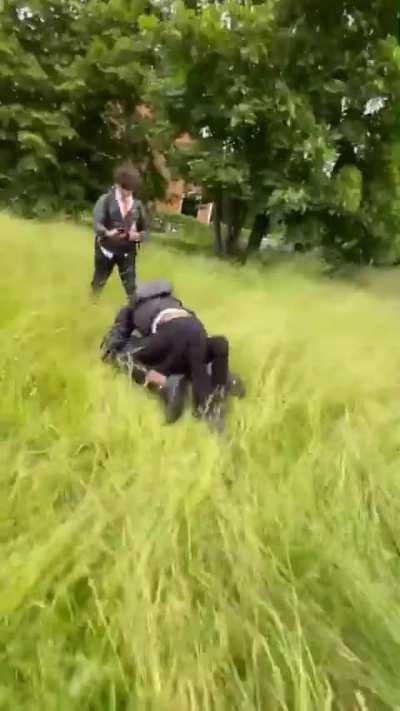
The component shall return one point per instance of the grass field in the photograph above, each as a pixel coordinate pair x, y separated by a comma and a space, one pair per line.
148, 568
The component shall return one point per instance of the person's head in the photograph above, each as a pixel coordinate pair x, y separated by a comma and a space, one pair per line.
127, 178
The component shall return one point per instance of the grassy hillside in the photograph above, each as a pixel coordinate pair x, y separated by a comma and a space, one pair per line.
165, 569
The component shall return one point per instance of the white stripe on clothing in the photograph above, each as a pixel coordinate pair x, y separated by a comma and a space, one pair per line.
162, 314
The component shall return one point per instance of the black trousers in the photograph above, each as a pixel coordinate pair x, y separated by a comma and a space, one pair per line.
103, 267
182, 346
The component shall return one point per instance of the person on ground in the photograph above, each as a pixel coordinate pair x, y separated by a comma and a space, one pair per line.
162, 344
120, 225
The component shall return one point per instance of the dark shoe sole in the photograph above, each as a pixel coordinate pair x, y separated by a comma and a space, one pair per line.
175, 406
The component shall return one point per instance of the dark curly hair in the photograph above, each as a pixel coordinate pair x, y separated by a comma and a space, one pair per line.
128, 178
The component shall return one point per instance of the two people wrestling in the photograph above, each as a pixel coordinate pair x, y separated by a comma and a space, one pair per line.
163, 345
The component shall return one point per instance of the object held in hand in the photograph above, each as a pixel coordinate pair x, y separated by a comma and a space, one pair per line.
122, 233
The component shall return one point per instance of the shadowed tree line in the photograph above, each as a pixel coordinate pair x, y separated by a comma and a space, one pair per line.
290, 102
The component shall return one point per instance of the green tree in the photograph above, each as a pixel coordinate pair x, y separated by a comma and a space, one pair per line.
71, 76
291, 105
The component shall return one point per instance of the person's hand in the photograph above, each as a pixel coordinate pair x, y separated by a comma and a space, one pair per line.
156, 378
134, 236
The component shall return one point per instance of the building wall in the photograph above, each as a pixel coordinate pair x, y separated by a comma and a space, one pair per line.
176, 188
205, 213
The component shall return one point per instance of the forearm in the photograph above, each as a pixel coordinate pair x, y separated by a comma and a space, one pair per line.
119, 333
99, 217
100, 229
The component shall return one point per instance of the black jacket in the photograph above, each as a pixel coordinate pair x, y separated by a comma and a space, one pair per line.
150, 299
139, 316
107, 216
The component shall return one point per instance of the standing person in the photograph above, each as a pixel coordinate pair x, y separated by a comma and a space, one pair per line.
120, 225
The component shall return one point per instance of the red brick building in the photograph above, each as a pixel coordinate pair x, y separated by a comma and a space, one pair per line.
177, 189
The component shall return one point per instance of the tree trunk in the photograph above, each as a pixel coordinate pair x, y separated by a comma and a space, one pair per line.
217, 224
236, 217
259, 230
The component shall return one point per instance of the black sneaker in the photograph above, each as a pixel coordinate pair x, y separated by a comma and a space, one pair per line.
173, 394
235, 386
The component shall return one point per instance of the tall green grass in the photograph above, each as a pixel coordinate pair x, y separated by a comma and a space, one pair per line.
155, 568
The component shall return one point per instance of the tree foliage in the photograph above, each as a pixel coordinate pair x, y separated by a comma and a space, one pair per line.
291, 104
71, 77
